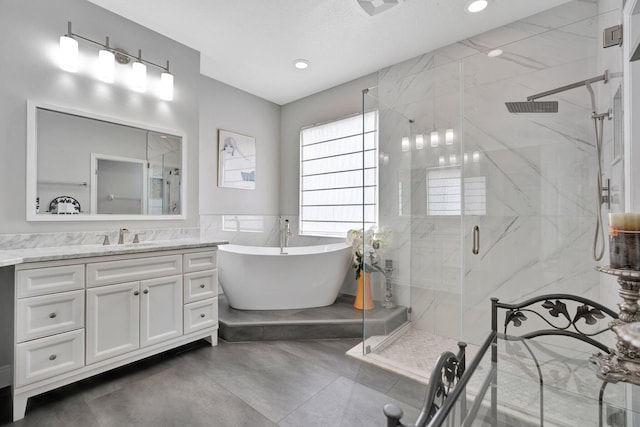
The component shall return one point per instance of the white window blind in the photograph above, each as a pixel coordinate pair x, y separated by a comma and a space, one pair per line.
444, 193
339, 176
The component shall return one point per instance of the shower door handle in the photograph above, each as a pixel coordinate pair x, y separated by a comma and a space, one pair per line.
476, 240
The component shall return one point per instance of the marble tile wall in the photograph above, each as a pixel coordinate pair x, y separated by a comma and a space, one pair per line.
540, 169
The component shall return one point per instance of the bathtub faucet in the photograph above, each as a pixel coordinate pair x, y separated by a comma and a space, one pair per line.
285, 233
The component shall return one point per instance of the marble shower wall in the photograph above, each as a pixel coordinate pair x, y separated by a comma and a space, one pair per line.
539, 169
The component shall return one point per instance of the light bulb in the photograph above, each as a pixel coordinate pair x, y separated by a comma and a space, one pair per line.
139, 77
448, 136
441, 160
476, 156
68, 54
434, 138
452, 159
419, 142
166, 86
405, 143
106, 66
477, 6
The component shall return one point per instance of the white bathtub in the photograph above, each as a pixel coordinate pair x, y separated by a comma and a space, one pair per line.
257, 278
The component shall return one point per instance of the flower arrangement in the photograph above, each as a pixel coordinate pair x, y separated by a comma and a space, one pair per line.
367, 248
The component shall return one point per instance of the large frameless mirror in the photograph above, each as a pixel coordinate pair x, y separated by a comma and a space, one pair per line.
86, 167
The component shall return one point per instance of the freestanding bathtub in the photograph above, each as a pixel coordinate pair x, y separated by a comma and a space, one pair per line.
257, 278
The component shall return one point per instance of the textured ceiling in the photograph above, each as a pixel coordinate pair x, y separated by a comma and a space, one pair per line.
251, 44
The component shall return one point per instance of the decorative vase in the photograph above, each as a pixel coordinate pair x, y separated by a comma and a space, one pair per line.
363, 299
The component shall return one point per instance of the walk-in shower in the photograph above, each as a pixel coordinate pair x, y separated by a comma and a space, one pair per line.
453, 159
533, 106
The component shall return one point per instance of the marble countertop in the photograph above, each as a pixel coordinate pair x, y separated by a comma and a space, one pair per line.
19, 256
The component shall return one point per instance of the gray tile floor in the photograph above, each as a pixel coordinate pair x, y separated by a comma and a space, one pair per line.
266, 383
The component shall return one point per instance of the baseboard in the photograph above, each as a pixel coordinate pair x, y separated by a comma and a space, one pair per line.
5, 376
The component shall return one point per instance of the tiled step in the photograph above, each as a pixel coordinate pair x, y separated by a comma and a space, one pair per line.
339, 320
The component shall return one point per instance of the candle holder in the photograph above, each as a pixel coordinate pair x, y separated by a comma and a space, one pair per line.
388, 295
623, 363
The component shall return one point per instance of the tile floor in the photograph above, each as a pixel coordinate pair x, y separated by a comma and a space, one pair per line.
267, 383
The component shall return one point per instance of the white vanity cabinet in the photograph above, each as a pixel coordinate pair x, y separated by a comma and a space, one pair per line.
145, 308
49, 322
77, 319
126, 316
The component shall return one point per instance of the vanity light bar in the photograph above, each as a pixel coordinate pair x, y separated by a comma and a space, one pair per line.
106, 63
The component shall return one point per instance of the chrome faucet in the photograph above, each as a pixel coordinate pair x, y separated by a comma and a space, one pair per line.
121, 235
285, 233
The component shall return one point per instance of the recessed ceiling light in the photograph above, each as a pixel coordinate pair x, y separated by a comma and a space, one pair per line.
301, 64
477, 6
495, 52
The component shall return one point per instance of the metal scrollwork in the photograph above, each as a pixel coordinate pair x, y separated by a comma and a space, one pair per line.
558, 310
590, 315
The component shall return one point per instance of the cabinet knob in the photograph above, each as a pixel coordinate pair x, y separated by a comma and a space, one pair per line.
53, 357
202, 285
52, 316
202, 315
136, 293
146, 291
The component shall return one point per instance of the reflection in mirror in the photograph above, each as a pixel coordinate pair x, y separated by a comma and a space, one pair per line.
90, 167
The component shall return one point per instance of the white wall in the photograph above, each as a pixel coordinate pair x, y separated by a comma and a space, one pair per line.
225, 107
29, 33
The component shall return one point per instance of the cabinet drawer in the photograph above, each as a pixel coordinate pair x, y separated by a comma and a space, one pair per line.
200, 315
200, 285
129, 270
50, 356
199, 261
42, 281
45, 315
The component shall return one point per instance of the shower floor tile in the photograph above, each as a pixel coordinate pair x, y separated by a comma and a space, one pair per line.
339, 320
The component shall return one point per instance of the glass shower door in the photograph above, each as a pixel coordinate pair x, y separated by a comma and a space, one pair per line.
530, 189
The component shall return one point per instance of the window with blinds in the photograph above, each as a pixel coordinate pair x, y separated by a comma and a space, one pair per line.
444, 193
339, 176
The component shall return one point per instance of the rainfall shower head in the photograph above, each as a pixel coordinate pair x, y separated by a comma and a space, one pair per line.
532, 107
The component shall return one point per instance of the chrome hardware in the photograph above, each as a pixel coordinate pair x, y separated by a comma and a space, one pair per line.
202, 315
285, 233
612, 36
121, 235
146, 291
136, 293
53, 357
605, 197
202, 285
52, 316
106, 241
476, 240
136, 239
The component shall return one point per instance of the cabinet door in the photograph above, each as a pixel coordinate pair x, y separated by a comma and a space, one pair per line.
113, 320
160, 309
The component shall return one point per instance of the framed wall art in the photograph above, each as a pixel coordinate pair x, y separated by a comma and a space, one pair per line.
236, 160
